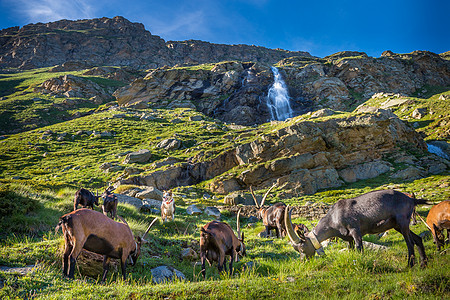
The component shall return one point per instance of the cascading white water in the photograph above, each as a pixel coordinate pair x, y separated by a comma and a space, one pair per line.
278, 98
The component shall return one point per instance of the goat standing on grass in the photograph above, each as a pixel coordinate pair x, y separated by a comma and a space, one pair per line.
110, 202
167, 207
217, 240
272, 217
438, 220
91, 230
85, 198
351, 219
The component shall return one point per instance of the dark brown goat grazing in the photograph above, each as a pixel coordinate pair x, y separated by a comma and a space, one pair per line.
217, 239
110, 202
91, 230
438, 220
85, 198
272, 216
350, 219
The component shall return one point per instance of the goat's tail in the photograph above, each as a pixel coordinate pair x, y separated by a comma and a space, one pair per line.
64, 220
422, 201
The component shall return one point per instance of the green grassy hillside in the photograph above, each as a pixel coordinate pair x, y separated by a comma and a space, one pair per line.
42, 166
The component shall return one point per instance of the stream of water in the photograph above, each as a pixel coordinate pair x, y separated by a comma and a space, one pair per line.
278, 98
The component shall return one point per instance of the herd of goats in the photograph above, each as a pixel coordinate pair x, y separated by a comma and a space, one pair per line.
348, 219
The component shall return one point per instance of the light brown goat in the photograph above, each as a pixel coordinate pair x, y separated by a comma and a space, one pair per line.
438, 220
93, 231
167, 207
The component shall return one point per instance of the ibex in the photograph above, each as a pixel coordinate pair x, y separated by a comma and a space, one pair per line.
85, 198
110, 202
95, 232
438, 220
217, 239
272, 217
167, 207
351, 219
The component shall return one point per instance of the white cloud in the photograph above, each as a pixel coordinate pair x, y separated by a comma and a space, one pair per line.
51, 10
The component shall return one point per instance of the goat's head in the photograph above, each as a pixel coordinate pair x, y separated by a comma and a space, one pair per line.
96, 197
240, 235
439, 238
259, 206
300, 242
167, 196
108, 191
140, 241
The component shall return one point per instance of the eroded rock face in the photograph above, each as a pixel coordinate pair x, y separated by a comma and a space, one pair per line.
301, 158
74, 86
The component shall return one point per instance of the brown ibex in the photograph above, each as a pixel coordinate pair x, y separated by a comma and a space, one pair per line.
351, 219
85, 198
95, 232
167, 207
272, 216
217, 240
110, 202
438, 220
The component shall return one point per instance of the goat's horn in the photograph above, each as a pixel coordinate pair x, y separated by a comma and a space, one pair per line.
148, 229
429, 228
293, 237
122, 219
238, 224
265, 196
413, 195
254, 197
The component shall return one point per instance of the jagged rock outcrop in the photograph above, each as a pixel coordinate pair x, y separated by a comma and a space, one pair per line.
345, 79
115, 42
233, 92
74, 86
302, 158
236, 92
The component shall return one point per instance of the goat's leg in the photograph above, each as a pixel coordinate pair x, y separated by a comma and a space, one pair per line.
404, 230
123, 265
202, 260
105, 267
65, 260
351, 244
267, 231
418, 241
355, 233
279, 229
76, 250
221, 261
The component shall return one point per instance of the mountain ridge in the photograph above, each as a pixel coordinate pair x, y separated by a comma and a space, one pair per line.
118, 42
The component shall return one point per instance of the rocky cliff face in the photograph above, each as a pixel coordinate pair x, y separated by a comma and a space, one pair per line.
116, 42
303, 157
236, 92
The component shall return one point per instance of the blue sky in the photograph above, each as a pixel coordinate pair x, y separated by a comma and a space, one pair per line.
319, 27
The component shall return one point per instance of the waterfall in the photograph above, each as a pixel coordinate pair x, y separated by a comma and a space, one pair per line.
278, 98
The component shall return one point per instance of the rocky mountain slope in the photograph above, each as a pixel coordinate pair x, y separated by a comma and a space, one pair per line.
205, 122
115, 42
237, 92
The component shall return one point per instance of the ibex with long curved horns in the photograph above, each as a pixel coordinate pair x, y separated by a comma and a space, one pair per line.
217, 240
272, 216
351, 219
95, 232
